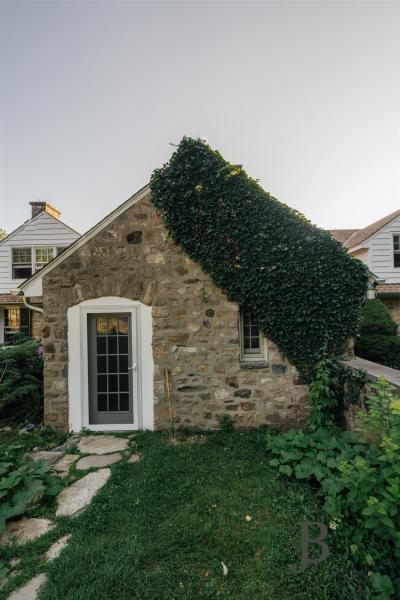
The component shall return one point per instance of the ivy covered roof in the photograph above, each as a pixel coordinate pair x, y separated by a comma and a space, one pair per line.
300, 284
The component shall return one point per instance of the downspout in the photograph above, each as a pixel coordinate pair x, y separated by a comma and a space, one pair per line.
20, 293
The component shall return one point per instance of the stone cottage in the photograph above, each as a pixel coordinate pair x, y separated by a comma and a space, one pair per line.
132, 325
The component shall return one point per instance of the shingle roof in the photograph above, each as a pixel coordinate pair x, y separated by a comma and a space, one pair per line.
10, 299
388, 288
363, 234
341, 235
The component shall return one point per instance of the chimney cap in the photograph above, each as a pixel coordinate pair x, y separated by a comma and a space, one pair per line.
40, 206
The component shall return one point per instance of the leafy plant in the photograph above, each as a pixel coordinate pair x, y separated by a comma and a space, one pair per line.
21, 485
322, 399
21, 381
358, 476
259, 251
378, 340
382, 417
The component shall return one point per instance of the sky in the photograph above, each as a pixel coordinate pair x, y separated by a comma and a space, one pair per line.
305, 95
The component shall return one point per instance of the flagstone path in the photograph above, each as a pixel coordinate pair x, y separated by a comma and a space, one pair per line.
103, 451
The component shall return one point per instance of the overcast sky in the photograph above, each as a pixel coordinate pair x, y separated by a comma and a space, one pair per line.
304, 94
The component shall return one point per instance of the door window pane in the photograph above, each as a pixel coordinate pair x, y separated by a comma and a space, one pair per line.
101, 364
123, 325
113, 364
123, 344
101, 402
113, 383
112, 326
123, 364
101, 345
102, 383
124, 402
123, 383
113, 402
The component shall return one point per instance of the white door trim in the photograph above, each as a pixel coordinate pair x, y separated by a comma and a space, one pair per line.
78, 383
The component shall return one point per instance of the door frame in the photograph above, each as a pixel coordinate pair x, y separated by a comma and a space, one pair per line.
78, 376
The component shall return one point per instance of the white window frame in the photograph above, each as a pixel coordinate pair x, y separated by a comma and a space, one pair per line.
251, 357
396, 251
33, 264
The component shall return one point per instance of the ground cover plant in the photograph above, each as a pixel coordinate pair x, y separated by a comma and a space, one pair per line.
260, 251
162, 528
357, 476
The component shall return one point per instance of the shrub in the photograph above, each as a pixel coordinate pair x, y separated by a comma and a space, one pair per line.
378, 340
301, 285
357, 475
21, 381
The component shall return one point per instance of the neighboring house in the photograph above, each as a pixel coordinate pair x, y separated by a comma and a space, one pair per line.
125, 309
22, 253
378, 246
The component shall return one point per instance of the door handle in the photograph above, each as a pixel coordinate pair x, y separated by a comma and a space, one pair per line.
133, 367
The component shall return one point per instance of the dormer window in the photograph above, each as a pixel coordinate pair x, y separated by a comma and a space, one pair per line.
396, 250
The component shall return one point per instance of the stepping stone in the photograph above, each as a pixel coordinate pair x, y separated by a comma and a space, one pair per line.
64, 463
135, 458
102, 444
29, 590
48, 455
54, 550
78, 495
25, 530
97, 460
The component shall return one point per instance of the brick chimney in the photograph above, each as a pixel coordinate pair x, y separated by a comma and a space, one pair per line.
38, 207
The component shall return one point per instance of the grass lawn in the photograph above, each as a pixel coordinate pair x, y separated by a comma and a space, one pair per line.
160, 528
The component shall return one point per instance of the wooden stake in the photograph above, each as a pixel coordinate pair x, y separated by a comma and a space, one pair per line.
167, 388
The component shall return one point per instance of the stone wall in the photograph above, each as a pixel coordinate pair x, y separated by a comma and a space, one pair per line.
195, 330
36, 324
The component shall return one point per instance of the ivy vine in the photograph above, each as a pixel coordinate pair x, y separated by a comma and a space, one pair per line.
303, 288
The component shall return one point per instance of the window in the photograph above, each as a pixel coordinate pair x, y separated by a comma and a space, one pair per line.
26, 261
396, 250
61, 249
16, 320
21, 263
42, 257
251, 338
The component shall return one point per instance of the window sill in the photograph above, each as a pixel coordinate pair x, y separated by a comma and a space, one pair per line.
253, 364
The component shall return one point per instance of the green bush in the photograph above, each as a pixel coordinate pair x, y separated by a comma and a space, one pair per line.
301, 285
358, 477
378, 340
21, 381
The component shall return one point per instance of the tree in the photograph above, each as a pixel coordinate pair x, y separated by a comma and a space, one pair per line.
2, 234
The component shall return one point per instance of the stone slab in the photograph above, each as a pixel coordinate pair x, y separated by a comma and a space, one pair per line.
64, 463
78, 495
102, 444
49, 455
135, 458
24, 530
55, 549
98, 460
30, 590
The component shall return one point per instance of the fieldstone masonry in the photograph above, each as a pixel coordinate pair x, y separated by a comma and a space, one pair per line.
195, 330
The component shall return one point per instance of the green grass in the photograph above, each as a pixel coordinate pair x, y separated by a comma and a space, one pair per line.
159, 529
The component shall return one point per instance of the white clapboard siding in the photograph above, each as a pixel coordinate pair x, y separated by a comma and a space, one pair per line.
380, 252
43, 230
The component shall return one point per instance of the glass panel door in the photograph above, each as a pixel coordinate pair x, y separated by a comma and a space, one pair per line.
110, 369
